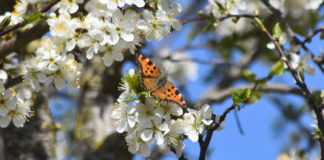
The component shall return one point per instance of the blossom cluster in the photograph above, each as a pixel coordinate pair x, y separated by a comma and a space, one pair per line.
150, 121
108, 30
14, 102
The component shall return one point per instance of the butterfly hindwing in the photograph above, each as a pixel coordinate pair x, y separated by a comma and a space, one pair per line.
153, 80
169, 93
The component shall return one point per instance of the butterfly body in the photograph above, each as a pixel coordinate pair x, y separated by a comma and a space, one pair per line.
156, 82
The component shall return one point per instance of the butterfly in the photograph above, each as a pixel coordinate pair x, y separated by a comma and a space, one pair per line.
153, 80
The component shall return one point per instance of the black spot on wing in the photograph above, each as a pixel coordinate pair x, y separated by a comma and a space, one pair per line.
150, 63
176, 92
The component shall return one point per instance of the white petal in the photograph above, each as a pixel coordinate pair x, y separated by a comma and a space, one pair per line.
159, 138
139, 3
41, 77
19, 121
108, 60
4, 121
118, 56
3, 111
59, 83
3, 76
122, 126
70, 45
131, 121
147, 135
128, 37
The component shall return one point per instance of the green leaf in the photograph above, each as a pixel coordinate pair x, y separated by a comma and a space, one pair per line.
318, 132
250, 76
208, 27
240, 95
259, 23
32, 18
277, 31
235, 19
220, 6
134, 82
254, 97
277, 69
5, 22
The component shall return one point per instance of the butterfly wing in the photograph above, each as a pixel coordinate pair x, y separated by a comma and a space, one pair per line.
154, 81
151, 74
169, 93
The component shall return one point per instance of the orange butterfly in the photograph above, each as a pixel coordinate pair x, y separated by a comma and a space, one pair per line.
156, 82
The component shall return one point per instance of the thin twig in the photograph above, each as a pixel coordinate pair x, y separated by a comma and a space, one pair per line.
23, 23
313, 34
205, 143
310, 98
218, 19
291, 33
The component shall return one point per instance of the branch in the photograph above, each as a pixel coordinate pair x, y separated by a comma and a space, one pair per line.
213, 62
23, 23
22, 39
310, 37
302, 85
214, 96
218, 19
291, 33
205, 143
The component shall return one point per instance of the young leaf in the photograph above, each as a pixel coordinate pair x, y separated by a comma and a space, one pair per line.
254, 97
32, 18
250, 76
259, 23
277, 69
277, 31
134, 82
240, 95
5, 22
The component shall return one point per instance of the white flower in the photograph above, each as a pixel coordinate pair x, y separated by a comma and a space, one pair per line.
125, 116
3, 76
7, 101
104, 32
97, 8
138, 3
155, 132
228, 7
125, 23
136, 144
152, 26
194, 122
92, 46
21, 113
148, 113
62, 26
167, 13
112, 53
68, 6
173, 138
300, 62
125, 88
